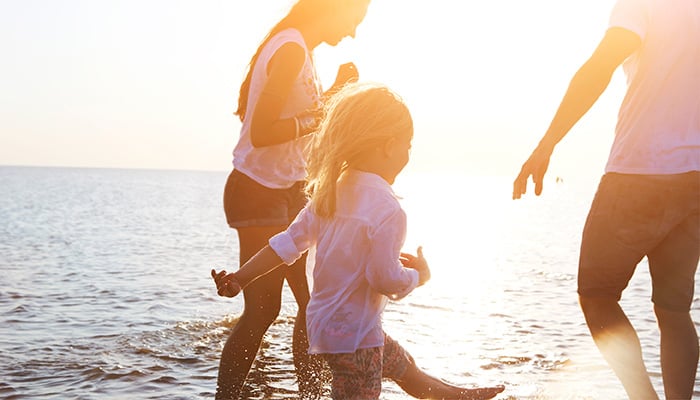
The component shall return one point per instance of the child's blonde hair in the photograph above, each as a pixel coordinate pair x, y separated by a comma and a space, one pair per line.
358, 118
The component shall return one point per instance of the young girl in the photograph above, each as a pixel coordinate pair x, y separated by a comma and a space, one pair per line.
357, 226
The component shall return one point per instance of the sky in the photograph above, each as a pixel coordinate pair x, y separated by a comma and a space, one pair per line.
153, 83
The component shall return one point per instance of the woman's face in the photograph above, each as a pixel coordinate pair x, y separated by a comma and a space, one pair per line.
344, 20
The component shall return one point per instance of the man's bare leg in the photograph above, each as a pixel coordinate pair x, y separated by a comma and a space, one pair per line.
679, 353
618, 342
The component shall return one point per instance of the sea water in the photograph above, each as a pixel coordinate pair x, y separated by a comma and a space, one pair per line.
105, 290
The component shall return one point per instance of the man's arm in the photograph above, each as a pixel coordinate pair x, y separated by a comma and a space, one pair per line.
589, 82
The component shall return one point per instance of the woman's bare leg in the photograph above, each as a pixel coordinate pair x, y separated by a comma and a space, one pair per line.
263, 299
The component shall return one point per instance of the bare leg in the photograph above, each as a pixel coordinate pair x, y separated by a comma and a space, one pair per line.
673, 264
262, 305
420, 385
618, 342
679, 353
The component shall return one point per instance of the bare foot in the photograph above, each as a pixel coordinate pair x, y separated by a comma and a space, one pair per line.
481, 393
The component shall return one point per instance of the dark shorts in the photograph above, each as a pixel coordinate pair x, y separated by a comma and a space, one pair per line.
359, 375
633, 216
248, 203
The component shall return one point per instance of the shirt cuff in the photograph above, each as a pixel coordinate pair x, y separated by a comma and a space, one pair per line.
413, 274
284, 246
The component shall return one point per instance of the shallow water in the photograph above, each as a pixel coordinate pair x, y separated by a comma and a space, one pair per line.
105, 290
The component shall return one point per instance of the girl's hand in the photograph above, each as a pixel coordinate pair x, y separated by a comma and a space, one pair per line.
418, 263
217, 276
226, 284
229, 286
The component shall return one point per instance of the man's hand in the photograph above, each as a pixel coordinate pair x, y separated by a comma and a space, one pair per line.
418, 263
535, 166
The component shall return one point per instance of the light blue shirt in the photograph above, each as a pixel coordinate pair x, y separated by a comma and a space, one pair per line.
356, 263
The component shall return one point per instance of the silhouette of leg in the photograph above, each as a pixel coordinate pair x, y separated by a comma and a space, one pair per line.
679, 353
673, 263
262, 305
618, 342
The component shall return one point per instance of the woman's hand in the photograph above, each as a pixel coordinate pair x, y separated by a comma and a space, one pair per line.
418, 263
309, 121
347, 73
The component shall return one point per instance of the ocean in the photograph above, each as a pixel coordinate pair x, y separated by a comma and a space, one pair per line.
105, 290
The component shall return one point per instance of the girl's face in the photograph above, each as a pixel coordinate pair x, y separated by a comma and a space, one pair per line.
345, 20
398, 152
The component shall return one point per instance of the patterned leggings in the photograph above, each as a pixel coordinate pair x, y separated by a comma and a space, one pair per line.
358, 375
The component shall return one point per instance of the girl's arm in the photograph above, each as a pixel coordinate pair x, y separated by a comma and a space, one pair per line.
385, 271
263, 262
286, 248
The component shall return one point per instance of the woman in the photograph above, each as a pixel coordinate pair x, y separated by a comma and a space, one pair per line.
278, 105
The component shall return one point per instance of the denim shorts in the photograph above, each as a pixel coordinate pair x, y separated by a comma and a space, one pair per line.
359, 375
633, 216
248, 203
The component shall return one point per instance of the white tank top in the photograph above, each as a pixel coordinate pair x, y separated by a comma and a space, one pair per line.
278, 166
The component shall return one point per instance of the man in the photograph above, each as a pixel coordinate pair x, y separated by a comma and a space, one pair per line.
647, 202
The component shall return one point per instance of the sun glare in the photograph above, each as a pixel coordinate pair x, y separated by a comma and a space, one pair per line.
482, 79
455, 219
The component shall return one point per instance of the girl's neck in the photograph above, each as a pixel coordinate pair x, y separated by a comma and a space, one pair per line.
374, 168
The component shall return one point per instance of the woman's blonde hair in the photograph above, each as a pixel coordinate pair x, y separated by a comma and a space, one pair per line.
358, 119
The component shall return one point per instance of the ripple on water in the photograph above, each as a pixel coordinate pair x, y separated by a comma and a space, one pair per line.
126, 308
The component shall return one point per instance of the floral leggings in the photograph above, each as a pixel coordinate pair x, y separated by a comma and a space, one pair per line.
358, 375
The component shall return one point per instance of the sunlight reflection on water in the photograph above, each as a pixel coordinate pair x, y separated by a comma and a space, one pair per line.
105, 291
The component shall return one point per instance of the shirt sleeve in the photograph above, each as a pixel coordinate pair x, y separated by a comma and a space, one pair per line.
384, 272
291, 243
632, 15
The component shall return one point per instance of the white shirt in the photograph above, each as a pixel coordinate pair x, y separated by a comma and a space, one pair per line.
357, 267
658, 129
278, 166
